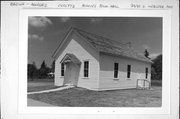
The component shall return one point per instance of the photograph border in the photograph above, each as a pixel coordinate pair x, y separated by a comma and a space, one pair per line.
166, 51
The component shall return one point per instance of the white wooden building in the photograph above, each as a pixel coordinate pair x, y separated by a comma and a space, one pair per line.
94, 62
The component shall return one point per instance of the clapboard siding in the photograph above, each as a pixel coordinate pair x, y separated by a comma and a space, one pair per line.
89, 47
83, 52
107, 80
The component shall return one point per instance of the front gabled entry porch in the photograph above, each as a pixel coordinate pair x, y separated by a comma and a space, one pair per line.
72, 69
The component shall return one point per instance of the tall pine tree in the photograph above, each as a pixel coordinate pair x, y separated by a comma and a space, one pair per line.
43, 65
44, 70
53, 66
156, 67
32, 71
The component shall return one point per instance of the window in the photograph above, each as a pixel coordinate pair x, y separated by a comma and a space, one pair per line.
116, 70
128, 71
62, 69
86, 68
146, 73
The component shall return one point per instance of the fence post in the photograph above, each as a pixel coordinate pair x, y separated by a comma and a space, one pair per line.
149, 84
137, 83
144, 84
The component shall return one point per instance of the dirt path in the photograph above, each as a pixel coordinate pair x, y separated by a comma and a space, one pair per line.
51, 90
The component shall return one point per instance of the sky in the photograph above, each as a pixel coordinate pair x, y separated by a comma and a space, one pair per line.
46, 33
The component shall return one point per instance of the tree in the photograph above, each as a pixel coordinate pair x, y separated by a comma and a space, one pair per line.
146, 53
32, 71
44, 70
43, 65
156, 69
53, 66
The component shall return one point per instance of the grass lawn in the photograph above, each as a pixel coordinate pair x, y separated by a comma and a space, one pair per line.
156, 82
80, 97
41, 88
41, 80
40, 85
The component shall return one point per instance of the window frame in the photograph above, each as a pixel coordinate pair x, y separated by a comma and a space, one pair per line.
116, 70
86, 69
62, 69
146, 72
128, 71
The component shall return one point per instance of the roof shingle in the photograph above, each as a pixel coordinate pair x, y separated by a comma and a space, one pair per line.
106, 45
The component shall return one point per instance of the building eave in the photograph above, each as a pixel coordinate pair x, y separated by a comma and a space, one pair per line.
70, 30
149, 61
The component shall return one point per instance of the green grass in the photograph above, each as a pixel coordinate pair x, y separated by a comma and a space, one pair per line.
80, 97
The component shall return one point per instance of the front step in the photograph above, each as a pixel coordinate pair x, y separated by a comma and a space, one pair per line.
69, 84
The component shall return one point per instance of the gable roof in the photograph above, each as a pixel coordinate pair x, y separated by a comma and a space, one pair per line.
106, 45
70, 57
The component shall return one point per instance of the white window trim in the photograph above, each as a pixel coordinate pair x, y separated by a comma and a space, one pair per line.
118, 72
85, 77
88, 69
61, 71
116, 79
130, 72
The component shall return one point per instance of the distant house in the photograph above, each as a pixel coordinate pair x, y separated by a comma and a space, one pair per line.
98, 63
